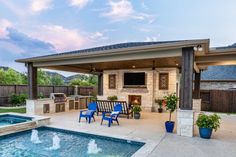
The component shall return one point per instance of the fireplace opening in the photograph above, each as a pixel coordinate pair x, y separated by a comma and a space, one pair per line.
134, 99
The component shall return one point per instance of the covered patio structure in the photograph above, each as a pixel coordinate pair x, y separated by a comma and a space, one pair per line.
185, 57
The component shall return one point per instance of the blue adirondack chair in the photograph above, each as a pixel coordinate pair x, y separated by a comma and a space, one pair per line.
113, 115
88, 114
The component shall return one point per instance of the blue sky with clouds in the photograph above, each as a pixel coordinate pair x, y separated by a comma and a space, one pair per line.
38, 27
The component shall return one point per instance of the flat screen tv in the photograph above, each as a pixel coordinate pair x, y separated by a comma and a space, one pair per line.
134, 79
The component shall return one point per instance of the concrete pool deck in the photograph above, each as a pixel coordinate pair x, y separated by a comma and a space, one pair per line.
150, 129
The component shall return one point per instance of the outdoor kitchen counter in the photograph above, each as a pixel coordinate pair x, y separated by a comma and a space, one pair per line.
48, 105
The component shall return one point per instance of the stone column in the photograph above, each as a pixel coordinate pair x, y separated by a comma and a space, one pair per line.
185, 122
185, 115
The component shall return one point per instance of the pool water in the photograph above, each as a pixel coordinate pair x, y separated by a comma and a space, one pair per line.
12, 119
72, 144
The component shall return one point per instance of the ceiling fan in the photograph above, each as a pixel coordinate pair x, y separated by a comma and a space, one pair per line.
93, 70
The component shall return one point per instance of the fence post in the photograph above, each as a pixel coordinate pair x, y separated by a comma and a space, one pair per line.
67, 90
79, 90
14, 89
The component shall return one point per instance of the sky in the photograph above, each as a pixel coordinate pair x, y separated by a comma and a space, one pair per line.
38, 27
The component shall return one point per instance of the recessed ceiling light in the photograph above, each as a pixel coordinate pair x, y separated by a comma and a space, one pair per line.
177, 64
133, 66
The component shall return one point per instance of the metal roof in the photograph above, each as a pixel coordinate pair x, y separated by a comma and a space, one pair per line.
120, 46
226, 47
219, 73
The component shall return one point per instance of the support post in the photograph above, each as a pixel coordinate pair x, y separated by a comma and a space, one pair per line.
186, 92
197, 80
100, 84
185, 115
32, 81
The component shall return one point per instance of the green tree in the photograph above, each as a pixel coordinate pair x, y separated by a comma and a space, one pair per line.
57, 80
79, 82
93, 80
43, 78
2, 76
12, 77
24, 78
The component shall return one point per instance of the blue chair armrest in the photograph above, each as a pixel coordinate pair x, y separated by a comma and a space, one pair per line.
104, 113
82, 111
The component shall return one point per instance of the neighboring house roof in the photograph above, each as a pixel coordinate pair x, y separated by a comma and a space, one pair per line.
220, 73
226, 47
120, 46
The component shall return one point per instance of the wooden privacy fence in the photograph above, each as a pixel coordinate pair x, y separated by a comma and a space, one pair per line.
7, 90
219, 101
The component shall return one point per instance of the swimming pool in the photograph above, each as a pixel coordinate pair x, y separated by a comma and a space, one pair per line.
8, 119
71, 144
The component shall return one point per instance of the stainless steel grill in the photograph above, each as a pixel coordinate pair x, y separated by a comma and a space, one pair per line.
58, 97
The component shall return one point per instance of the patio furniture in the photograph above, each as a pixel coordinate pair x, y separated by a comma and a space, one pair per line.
113, 115
108, 106
88, 114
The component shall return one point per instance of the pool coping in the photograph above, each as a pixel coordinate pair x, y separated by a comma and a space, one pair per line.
144, 151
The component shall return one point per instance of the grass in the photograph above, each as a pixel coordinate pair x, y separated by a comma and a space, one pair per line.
17, 110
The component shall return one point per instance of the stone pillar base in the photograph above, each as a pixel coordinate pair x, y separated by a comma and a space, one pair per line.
185, 122
197, 105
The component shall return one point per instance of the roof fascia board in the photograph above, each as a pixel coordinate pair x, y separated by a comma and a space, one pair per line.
219, 51
215, 58
110, 58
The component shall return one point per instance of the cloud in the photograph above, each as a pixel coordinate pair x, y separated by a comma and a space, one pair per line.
18, 45
27, 43
79, 3
123, 10
97, 35
4, 24
144, 6
40, 5
14, 8
18, 42
62, 38
150, 39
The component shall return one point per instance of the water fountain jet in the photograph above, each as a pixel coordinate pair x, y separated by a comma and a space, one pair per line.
55, 142
34, 137
93, 147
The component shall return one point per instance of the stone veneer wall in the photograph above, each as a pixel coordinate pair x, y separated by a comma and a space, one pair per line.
148, 94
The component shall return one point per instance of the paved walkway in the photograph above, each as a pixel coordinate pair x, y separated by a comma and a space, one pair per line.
150, 128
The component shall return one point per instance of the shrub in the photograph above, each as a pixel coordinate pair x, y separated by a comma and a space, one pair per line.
41, 96
208, 121
112, 98
18, 99
136, 109
94, 98
159, 102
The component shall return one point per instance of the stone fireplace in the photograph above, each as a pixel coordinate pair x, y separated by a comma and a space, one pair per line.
135, 99
143, 95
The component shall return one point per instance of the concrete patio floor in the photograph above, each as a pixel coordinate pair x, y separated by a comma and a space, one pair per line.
150, 129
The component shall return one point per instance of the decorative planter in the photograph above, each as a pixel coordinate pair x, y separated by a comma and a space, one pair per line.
205, 133
160, 110
169, 126
137, 115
